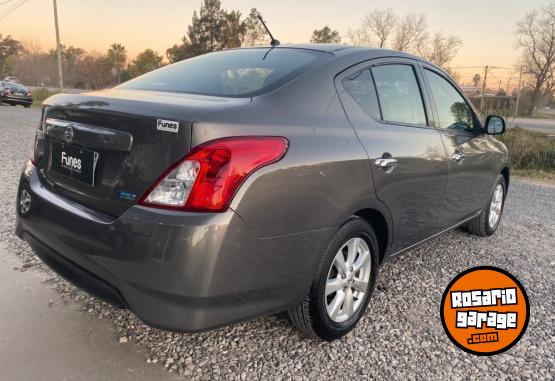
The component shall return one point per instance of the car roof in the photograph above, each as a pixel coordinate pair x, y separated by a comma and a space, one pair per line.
330, 48
344, 49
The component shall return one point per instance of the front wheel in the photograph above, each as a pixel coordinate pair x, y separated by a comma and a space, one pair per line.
343, 284
487, 222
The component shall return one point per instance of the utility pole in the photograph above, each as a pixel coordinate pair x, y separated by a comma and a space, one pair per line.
484, 89
518, 91
58, 49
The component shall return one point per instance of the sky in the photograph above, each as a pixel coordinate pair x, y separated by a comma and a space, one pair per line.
486, 27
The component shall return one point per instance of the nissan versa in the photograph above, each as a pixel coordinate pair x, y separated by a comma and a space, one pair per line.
258, 180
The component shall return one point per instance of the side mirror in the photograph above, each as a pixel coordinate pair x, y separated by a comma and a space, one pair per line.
495, 125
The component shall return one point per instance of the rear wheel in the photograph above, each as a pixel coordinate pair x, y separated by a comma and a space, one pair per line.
343, 284
487, 222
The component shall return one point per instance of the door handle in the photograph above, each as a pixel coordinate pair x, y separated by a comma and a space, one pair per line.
457, 156
387, 164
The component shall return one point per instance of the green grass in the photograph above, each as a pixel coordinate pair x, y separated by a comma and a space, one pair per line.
536, 174
39, 95
532, 153
541, 115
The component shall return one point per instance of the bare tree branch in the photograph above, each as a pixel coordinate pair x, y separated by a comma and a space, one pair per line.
536, 40
411, 33
442, 48
380, 23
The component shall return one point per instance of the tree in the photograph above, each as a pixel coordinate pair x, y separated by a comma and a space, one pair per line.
206, 29
146, 61
325, 36
411, 33
476, 79
442, 48
211, 29
234, 30
255, 34
180, 52
117, 57
536, 39
71, 59
33, 66
382, 28
94, 72
8, 48
380, 23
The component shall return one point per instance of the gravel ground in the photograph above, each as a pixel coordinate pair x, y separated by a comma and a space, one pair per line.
401, 334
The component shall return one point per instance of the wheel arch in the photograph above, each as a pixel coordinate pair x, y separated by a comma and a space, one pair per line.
507, 176
378, 221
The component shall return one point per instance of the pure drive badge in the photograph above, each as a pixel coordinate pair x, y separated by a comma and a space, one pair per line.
167, 125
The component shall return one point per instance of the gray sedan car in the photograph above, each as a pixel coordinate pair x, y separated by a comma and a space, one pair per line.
253, 181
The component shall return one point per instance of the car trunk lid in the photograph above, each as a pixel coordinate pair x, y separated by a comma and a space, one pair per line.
105, 149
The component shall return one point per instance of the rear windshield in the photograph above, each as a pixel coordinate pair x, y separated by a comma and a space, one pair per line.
11, 85
231, 73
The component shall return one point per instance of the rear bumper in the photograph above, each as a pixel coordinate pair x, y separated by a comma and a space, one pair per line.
174, 270
16, 100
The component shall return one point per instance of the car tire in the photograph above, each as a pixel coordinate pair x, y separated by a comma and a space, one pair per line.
27, 106
482, 225
322, 314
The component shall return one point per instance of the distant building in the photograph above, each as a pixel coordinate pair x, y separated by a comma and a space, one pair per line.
471, 91
493, 103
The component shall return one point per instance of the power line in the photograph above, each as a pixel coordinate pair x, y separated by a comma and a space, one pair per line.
6, 2
466, 67
12, 9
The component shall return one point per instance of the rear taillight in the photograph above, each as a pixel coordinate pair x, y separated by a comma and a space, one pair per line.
208, 177
38, 144
38, 147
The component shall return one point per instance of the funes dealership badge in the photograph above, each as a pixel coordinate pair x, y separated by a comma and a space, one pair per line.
485, 310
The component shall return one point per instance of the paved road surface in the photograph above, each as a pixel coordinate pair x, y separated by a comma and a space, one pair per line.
541, 125
43, 338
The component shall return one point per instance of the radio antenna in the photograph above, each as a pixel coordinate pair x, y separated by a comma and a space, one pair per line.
274, 42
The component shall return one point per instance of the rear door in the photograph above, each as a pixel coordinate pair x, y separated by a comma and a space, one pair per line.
466, 147
386, 104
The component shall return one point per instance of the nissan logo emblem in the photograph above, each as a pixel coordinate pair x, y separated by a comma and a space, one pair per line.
68, 134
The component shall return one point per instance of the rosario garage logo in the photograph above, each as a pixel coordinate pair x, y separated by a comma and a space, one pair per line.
485, 311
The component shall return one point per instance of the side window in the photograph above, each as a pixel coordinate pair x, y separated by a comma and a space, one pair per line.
399, 94
360, 87
454, 112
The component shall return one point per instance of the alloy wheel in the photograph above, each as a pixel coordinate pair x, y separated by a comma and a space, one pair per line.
347, 281
495, 206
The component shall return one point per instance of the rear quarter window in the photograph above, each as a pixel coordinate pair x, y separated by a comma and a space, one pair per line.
232, 73
360, 87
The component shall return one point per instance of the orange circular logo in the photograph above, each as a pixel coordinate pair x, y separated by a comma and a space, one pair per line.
485, 310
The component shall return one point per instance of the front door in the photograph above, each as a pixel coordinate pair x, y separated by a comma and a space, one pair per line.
385, 105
